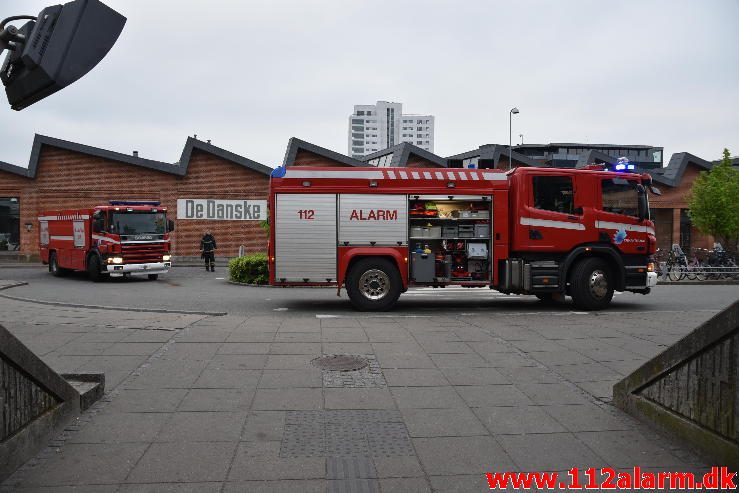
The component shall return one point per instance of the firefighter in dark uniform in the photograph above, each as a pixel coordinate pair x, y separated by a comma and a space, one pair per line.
207, 247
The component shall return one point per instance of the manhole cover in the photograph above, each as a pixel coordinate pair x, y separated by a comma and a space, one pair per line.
340, 362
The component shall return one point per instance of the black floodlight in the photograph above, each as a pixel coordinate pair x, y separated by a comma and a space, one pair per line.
56, 48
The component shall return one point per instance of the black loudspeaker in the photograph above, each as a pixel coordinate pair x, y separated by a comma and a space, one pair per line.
59, 47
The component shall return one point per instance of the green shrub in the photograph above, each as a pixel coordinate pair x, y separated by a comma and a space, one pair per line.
250, 269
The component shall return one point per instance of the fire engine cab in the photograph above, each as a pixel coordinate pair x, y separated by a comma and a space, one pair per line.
537, 231
121, 239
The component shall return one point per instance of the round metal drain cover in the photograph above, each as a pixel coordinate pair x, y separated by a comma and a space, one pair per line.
340, 362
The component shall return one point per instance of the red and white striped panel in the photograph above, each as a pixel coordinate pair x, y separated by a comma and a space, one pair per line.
443, 174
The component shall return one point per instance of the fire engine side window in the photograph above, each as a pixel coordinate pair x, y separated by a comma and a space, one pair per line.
553, 193
620, 197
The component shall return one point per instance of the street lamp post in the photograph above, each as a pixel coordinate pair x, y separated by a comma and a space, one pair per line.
514, 111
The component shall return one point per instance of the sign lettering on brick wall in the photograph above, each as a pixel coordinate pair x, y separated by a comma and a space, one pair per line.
222, 210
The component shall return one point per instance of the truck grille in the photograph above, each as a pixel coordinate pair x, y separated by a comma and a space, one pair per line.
141, 253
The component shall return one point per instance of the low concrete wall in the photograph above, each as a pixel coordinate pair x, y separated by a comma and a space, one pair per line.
691, 390
35, 403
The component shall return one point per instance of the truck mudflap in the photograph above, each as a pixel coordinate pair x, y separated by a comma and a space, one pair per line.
138, 269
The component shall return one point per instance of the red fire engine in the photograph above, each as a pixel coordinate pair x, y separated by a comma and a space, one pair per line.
121, 239
540, 231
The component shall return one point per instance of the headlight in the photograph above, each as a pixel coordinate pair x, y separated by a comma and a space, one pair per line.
650, 267
166, 258
117, 260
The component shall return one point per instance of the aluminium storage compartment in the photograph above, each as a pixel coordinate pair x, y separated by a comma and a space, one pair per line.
305, 237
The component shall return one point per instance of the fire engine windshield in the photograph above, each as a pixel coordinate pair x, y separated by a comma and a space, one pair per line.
136, 223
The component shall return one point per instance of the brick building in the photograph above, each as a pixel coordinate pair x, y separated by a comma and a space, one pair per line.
65, 174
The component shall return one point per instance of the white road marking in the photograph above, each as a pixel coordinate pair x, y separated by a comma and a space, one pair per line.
220, 278
280, 310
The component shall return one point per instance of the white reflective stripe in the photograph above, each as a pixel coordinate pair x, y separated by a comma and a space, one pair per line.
403, 175
450, 175
626, 227
475, 176
438, 175
463, 175
548, 223
391, 174
65, 217
105, 238
427, 175
415, 175
347, 175
63, 238
495, 176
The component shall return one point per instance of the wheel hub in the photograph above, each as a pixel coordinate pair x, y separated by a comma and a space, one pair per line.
598, 284
374, 284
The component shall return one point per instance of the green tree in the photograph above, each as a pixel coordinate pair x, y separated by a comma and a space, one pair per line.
714, 202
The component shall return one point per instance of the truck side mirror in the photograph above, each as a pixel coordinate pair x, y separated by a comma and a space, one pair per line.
643, 210
170, 225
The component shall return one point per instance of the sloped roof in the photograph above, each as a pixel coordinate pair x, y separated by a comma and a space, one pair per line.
401, 152
494, 153
177, 169
295, 145
595, 157
672, 174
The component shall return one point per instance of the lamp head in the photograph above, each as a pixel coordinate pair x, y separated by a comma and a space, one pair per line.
514, 111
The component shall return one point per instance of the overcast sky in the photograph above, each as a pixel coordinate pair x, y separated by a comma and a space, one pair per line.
249, 75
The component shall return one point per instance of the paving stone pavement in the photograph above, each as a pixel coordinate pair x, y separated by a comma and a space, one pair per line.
196, 403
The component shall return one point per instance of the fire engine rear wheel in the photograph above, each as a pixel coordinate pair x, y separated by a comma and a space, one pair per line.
93, 269
153, 277
591, 284
54, 268
373, 284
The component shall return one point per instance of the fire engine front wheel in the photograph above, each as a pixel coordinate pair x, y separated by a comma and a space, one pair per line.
93, 269
373, 284
591, 285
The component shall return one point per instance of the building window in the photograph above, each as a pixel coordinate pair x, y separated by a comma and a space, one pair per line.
10, 223
360, 113
553, 193
357, 122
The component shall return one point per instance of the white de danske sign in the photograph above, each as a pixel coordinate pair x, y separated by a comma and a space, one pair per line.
222, 210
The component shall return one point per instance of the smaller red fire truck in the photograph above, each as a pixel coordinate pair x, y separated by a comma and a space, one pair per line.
121, 239
547, 232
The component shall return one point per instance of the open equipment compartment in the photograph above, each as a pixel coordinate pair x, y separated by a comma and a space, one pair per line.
449, 239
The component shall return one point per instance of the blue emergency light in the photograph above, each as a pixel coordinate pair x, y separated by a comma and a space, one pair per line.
623, 164
624, 167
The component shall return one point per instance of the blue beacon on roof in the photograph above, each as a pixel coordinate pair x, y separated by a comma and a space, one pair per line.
623, 164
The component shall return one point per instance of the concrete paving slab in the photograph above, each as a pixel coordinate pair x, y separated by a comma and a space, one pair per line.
514, 420
466, 393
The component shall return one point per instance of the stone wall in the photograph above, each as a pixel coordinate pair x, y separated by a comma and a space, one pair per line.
691, 390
